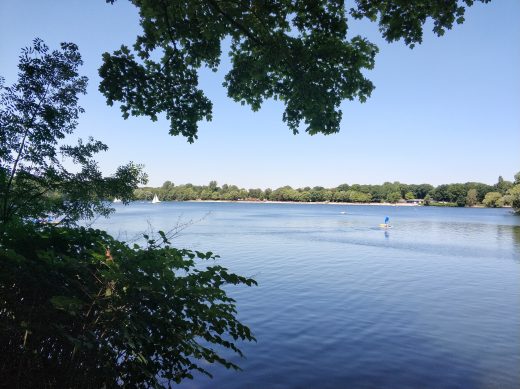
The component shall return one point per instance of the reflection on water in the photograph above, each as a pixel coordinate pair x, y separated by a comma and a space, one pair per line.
432, 303
516, 237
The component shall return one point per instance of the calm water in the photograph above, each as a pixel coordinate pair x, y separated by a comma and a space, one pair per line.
433, 302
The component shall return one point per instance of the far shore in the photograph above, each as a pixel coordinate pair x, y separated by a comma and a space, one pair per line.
320, 202
301, 202
323, 203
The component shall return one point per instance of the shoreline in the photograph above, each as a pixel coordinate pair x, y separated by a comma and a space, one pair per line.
299, 202
323, 203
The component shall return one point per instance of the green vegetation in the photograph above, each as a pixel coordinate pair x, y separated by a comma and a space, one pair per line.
78, 308
36, 115
471, 198
493, 200
468, 194
291, 51
514, 194
81, 309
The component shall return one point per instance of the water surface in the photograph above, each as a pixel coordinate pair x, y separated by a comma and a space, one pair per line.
433, 302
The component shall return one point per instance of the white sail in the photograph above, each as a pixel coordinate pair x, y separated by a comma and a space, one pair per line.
116, 200
155, 200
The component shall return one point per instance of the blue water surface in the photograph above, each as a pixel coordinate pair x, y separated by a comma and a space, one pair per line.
433, 302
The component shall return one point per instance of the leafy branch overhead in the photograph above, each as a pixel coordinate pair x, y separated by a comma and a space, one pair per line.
296, 51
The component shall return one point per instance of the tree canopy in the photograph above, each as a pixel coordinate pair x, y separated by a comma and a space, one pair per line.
300, 52
456, 194
78, 308
37, 113
514, 194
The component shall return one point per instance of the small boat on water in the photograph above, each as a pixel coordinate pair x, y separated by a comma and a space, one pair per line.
155, 200
386, 224
116, 200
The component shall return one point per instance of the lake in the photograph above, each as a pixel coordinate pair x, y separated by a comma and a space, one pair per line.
433, 302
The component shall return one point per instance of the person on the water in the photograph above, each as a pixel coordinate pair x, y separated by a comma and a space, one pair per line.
387, 219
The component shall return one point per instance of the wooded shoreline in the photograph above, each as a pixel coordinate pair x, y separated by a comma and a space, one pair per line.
385, 204
469, 194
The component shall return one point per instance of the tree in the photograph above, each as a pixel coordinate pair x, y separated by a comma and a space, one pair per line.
471, 198
168, 185
427, 200
359, 197
514, 194
457, 193
440, 193
393, 197
421, 190
481, 188
318, 194
409, 196
256, 194
341, 196
343, 188
517, 178
37, 113
493, 200
292, 51
79, 308
503, 186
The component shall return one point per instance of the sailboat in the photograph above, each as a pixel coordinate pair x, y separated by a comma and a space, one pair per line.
155, 200
116, 200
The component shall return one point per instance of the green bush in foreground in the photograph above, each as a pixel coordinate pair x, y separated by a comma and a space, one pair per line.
81, 309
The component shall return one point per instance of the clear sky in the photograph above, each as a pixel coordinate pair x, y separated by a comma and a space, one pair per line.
446, 111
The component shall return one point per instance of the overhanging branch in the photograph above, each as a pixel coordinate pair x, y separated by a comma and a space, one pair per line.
230, 19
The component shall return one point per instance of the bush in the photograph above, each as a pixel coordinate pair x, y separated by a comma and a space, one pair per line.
514, 197
493, 200
81, 309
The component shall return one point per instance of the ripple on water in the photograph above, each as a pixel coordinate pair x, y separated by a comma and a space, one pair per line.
433, 302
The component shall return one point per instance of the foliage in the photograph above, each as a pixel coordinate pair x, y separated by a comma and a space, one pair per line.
503, 186
77, 307
409, 196
81, 309
298, 52
393, 197
471, 198
457, 193
493, 200
36, 114
514, 194
470, 193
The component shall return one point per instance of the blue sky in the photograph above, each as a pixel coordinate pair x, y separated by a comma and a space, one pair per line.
446, 111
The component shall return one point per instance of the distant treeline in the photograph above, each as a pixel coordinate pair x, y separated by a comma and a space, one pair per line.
467, 194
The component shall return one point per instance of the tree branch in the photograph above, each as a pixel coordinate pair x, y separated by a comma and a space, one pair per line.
168, 29
20, 151
230, 19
